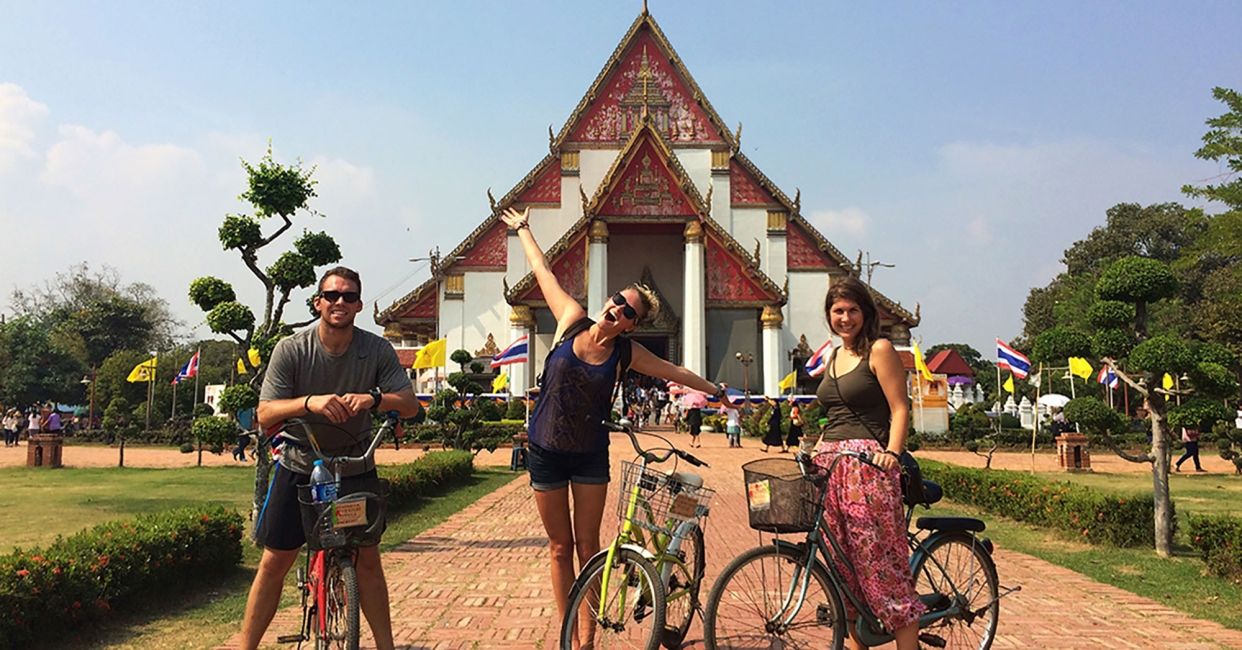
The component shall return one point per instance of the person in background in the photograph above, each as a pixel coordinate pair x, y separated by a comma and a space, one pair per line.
733, 422
773, 437
33, 425
1190, 438
795, 429
11, 419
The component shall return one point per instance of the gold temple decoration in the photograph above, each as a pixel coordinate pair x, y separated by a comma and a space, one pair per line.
570, 161
599, 232
771, 317
521, 316
489, 348
720, 160
777, 221
693, 232
455, 285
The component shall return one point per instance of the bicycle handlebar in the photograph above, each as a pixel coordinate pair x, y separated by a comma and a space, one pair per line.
806, 465
390, 422
625, 426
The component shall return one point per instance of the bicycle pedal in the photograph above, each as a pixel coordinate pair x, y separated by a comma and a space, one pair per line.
291, 638
932, 640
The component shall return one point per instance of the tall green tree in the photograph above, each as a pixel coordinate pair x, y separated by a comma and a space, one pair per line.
275, 192
33, 368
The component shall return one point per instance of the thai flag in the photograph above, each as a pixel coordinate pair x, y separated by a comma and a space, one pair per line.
1016, 362
818, 363
515, 353
1107, 377
190, 369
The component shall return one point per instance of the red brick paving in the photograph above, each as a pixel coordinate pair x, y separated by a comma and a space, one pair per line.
480, 580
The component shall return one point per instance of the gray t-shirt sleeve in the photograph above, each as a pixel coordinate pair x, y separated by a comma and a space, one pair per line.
390, 375
278, 381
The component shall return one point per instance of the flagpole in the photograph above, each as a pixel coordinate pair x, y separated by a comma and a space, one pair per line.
200, 362
1035, 431
151, 386
173, 416
999, 410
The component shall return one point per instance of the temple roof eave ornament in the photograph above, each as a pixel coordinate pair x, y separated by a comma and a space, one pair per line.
772, 317
622, 162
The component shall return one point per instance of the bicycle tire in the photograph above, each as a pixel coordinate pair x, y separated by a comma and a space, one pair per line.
341, 624
680, 607
963, 561
770, 570
639, 624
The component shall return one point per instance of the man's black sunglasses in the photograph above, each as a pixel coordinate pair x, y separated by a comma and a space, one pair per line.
349, 297
626, 310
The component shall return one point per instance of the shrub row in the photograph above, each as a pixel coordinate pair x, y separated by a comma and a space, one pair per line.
1219, 539
486, 435
48, 591
1090, 515
428, 475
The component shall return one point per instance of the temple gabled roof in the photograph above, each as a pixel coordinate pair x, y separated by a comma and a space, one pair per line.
679, 106
949, 362
562, 259
646, 179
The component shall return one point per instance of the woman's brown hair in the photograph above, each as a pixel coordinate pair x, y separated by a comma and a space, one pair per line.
852, 289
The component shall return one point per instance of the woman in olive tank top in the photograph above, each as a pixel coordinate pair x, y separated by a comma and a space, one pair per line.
863, 393
569, 446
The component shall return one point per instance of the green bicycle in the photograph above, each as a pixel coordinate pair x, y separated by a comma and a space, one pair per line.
643, 589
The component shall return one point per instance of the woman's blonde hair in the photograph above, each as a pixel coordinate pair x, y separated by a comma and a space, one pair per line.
649, 299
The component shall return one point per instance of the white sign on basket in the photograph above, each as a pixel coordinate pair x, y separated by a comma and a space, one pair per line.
759, 495
349, 513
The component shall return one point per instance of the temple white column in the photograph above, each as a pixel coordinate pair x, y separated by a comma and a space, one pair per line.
521, 323
694, 311
772, 354
597, 268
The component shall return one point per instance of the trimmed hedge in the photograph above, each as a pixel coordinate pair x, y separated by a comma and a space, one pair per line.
83, 577
1219, 539
1090, 515
426, 476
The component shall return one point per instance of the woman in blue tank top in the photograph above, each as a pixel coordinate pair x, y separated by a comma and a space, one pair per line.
568, 444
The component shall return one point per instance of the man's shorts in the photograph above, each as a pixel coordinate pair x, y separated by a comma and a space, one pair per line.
281, 525
553, 470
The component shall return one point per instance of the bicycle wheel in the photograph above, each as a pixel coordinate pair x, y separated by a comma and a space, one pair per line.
633, 604
957, 570
340, 617
683, 584
754, 604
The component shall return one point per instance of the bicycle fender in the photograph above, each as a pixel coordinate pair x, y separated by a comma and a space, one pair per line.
796, 547
647, 555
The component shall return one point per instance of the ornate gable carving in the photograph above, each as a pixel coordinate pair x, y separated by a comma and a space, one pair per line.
568, 261
731, 279
646, 186
646, 75
744, 188
802, 253
426, 307
490, 251
544, 190
489, 348
666, 321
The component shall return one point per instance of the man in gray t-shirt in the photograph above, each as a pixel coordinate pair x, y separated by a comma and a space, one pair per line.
332, 375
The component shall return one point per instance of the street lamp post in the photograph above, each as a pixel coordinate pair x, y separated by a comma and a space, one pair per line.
745, 358
89, 382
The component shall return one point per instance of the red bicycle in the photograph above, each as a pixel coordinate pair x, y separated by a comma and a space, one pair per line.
335, 530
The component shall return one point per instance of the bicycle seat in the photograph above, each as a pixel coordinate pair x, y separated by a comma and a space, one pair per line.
689, 479
950, 524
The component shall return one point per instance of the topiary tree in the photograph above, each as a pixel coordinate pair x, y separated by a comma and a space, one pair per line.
274, 191
461, 358
119, 422
516, 410
213, 431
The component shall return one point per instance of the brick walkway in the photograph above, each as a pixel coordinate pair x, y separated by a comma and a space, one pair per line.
480, 580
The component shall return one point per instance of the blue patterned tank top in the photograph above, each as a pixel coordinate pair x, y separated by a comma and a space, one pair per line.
575, 398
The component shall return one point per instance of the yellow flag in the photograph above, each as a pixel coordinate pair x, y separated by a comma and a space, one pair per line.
431, 355
788, 382
142, 372
255, 359
241, 367
919, 364
1081, 367
1008, 385
500, 382
1167, 382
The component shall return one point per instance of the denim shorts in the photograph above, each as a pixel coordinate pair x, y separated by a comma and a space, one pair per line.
553, 470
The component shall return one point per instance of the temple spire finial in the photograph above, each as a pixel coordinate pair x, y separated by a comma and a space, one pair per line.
645, 12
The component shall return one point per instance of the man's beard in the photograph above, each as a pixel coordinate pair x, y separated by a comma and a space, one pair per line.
349, 323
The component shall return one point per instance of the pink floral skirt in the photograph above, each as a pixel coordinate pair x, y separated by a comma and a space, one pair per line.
863, 510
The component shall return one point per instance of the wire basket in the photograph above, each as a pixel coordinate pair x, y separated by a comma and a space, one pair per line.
780, 500
664, 502
355, 519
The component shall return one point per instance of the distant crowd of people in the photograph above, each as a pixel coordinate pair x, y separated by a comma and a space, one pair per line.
37, 419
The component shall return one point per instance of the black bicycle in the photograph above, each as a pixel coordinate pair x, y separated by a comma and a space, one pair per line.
784, 595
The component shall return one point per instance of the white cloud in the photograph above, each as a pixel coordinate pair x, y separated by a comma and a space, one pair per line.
19, 114
832, 223
341, 179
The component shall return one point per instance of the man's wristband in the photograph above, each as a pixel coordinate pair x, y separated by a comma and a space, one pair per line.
306, 405
377, 396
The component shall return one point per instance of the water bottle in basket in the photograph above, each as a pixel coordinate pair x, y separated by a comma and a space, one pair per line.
323, 486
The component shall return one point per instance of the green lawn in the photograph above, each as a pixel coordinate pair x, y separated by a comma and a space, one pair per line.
45, 504
1198, 493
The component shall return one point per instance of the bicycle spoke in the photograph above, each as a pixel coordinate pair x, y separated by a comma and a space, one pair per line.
753, 607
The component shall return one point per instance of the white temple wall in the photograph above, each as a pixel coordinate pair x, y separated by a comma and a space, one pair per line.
750, 224
593, 165
698, 165
804, 313
665, 254
466, 322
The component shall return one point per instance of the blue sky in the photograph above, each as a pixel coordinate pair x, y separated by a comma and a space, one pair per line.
968, 143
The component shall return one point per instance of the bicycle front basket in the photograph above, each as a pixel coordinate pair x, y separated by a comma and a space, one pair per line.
663, 500
779, 499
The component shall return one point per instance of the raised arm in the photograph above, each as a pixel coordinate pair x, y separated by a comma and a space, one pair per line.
649, 364
564, 308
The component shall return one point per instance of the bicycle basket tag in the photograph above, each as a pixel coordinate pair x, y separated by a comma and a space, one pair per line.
349, 513
684, 506
759, 495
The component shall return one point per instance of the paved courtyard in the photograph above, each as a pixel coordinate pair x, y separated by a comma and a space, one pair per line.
479, 580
